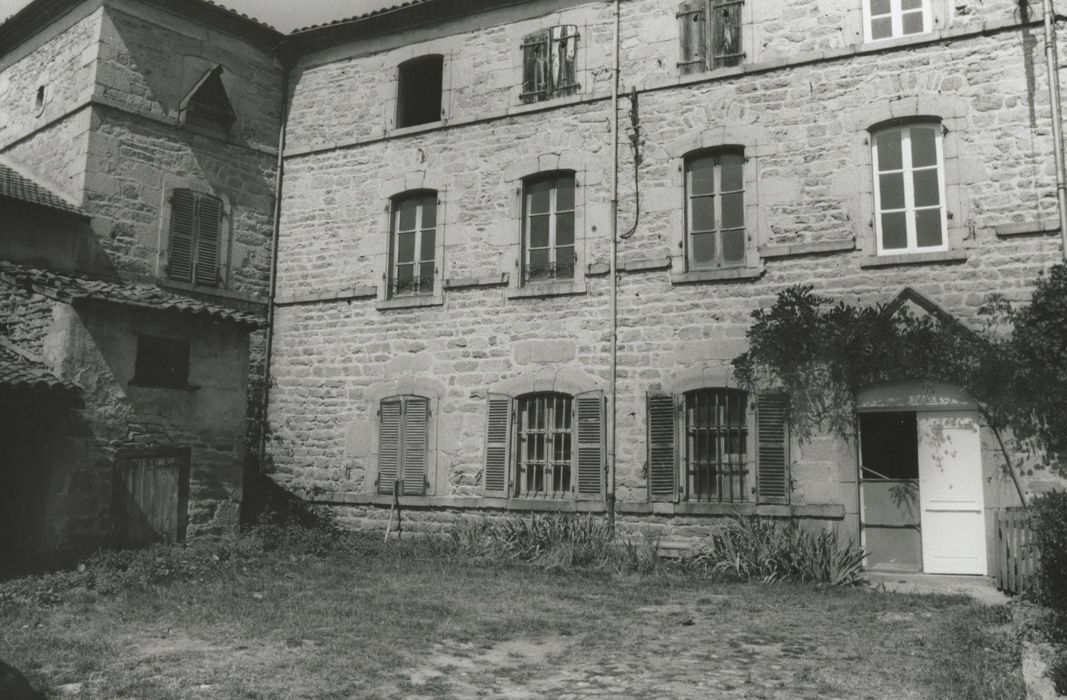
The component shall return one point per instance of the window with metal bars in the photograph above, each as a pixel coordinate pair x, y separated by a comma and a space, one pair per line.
403, 443
548, 215
544, 445
709, 32
909, 191
715, 209
413, 243
888, 19
716, 448
195, 237
550, 63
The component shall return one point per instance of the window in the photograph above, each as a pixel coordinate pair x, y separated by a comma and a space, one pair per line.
548, 228
161, 362
403, 442
889, 445
207, 105
715, 209
413, 244
886, 19
418, 92
548, 445
549, 63
195, 225
701, 447
710, 34
909, 189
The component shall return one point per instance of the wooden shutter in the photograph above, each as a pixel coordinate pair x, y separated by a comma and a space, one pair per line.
536, 66
772, 449
415, 442
208, 225
182, 234
590, 454
389, 426
725, 26
498, 427
691, 36
662, 453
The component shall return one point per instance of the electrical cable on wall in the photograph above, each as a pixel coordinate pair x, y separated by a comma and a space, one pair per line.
635, 145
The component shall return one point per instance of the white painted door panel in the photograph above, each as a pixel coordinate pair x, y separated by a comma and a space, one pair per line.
950, 493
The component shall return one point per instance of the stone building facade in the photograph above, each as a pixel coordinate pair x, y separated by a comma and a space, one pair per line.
443, 305
140, 270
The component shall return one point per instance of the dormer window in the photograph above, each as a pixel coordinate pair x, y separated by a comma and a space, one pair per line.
207, 105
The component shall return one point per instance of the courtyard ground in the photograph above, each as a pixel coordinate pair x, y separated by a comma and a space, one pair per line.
399, 621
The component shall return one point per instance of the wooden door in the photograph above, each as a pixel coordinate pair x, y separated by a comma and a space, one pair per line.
151, 496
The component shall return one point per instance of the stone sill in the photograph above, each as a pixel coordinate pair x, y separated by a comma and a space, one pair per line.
723, 275
941, 256
547, 289
555, 102
829, 511
468, 282
352, 294
1027, 228
410, 302
798, 249
416, 128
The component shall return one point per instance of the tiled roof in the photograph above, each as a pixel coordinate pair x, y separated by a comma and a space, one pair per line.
19, 374
365, 15
70, 288
13, 185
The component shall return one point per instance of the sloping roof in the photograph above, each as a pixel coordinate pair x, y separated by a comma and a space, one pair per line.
14, 185
20, 374
71, 289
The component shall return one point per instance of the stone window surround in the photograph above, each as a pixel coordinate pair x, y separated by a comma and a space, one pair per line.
746, 137
401, 56
515, 176
388, 191
951, 113
431, 390
171, 183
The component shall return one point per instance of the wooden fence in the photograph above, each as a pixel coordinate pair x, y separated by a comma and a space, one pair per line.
1016, 554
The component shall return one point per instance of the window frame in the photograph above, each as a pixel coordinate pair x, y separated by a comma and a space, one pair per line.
896, 16
717, 194
552, 83
409, 72
553, 214
908, 170
147, 373
395, 212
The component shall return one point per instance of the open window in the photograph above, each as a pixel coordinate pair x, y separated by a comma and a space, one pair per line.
207, 105
418, 93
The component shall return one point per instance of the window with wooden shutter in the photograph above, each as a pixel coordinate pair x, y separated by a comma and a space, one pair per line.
772, 449
709, 34
692, 44
725, 23
590, 454
497, 445
662, 455
403, 442
195, 238
550, 63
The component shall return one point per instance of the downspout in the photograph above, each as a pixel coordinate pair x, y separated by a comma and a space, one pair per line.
1053, 71
269, 351
613, 274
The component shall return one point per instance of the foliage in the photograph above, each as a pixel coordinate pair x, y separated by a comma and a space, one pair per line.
1049, 523
770, 551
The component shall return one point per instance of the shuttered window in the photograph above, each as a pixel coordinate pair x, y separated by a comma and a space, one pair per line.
886, 19
550, 63
403, 443
195, 233
548, 251
709, 34
715, 209
546, 445
909, 191
413, 244
699, 447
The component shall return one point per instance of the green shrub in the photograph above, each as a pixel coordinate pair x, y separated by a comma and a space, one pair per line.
1049, 522
769, 551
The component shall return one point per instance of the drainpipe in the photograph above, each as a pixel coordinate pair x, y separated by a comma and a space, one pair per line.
1053, 71
613, 274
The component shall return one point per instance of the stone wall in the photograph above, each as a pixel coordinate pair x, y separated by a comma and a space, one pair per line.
803, 120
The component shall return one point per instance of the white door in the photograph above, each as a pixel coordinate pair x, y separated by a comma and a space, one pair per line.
950, 493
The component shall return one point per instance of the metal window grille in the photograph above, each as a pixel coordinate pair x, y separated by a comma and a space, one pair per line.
544, 445
413, 246
716, 456
548, 228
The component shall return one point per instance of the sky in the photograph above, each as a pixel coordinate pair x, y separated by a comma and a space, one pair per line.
285, 15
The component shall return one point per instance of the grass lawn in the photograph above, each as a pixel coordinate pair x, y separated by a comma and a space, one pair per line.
402, 621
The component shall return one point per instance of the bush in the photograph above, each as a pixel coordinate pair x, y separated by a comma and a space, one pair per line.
769, 551
1049, 522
